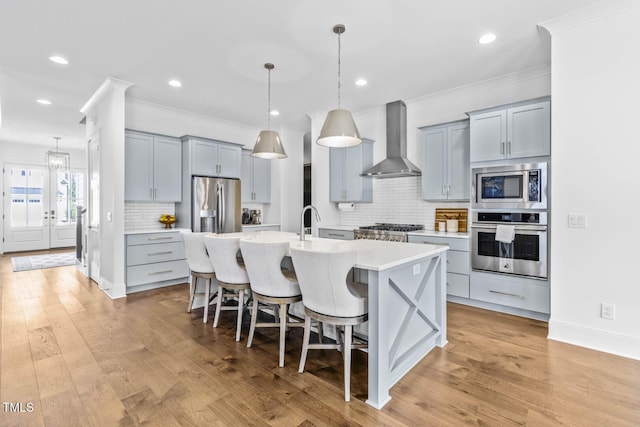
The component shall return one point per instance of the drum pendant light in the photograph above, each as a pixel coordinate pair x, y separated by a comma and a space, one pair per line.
339, 129
268, 145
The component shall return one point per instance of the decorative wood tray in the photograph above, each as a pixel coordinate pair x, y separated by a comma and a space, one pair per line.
443, 214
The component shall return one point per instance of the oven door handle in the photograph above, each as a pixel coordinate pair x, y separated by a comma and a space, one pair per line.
519, 227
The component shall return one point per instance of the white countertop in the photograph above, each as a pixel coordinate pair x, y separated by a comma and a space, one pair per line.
371, 254
433, 233
155, 230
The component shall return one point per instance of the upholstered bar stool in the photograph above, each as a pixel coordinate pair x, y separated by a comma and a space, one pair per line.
230, 275
201, 268
328, 296
270, 284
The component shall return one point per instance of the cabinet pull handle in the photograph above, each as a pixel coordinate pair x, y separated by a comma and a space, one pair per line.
334, 234
160, 272
160, 238
506, 293
448, 190
159, 253
151, 193
155, 193
509, 148
502, 149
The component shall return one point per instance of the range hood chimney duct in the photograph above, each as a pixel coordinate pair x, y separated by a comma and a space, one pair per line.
396, 164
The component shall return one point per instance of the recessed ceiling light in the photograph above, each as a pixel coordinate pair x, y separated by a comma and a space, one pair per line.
175, 83
275, 112
487, 38
43, 101
58, 60
361, 82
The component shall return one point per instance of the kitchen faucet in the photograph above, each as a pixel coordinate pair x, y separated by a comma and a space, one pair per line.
306, 208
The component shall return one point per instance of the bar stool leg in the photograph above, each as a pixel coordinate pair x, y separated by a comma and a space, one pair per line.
348, 330
283, 332
207, 291
254, 315
240, 310
192, 291
305, 343
218, 306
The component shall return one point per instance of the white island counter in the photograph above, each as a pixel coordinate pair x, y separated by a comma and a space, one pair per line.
407, 303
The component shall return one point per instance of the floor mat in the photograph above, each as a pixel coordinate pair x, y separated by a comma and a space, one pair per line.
35, 262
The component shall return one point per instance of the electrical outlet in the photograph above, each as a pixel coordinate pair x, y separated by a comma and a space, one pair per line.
416, 269
607, 311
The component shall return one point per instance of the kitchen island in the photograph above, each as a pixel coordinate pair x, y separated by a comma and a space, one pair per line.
407, 302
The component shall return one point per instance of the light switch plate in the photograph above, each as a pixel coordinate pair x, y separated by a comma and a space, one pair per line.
577, 220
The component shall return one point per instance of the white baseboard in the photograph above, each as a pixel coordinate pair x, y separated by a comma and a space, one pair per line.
595, 339
113, 291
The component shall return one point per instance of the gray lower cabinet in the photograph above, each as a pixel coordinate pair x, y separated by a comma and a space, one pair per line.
458, 261
345, 166
153, 168
513, 131
155, 260
332, 233
445, 162
256, 179
511, 291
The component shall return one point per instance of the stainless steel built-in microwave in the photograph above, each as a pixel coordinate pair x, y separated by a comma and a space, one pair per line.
522, 186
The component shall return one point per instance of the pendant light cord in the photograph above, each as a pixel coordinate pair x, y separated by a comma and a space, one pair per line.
269, 100
339, 70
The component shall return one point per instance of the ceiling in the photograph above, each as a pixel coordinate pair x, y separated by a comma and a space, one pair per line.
217, 49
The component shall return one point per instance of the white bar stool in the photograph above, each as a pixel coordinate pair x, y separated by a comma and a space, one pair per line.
201, 268
329, 297
223, 251
270, 285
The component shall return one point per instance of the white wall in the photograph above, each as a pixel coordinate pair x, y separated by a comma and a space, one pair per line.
595, 152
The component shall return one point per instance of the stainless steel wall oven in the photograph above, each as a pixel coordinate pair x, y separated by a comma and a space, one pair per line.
525, 255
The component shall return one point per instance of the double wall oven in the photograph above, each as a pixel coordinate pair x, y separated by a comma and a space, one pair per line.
510, 199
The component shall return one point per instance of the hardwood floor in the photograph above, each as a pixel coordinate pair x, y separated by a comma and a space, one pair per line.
75, 357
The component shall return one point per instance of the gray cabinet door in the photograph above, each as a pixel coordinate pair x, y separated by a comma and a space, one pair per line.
529, 130
445, 162
488, 136
434, 163
167, 169
246, 177
229, 161
345, 166
261, 180
458, 168
138, 167
204, 158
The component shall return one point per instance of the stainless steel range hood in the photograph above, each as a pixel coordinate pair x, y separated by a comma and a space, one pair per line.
396, 164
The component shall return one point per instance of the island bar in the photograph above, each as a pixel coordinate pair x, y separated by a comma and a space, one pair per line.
407, 303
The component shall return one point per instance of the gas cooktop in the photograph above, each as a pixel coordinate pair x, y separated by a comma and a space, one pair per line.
393, 227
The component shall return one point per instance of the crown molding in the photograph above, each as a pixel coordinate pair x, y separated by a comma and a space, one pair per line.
105, 88
587, 15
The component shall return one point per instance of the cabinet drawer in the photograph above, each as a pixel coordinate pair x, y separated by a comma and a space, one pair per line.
458, 285
457, 262
159, 252
251, 228
524, 294
157, 272
151, 238
454, 243
327, 233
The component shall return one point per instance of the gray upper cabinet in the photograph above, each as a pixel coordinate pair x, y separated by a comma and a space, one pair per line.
346, 165
509, 132
445, 161
213, 158
256, 179
153, 168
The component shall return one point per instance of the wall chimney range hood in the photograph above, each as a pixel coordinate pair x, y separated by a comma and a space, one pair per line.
396, 164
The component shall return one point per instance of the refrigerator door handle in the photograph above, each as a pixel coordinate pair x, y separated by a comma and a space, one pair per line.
220, 208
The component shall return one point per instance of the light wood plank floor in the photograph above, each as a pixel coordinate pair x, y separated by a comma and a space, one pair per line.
82, 359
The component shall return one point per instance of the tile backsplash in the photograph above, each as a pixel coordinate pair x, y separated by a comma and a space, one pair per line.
398, 201
144, 216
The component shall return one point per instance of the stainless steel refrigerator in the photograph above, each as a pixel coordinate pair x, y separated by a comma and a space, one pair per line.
215, 205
